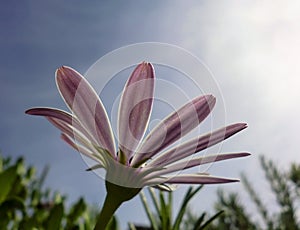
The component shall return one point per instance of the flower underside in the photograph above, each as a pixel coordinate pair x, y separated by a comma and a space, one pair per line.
139, 161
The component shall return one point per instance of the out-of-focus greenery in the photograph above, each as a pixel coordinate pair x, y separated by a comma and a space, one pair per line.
284, 187
232, 214
24, 204
161, 218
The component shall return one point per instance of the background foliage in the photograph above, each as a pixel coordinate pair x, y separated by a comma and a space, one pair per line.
284, 187
231, 213
26, 204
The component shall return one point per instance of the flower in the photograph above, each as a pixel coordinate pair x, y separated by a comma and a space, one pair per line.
139, 161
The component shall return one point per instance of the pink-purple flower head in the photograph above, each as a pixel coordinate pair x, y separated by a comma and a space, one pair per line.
139, 161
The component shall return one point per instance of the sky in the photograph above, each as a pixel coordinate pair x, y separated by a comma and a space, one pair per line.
251, 47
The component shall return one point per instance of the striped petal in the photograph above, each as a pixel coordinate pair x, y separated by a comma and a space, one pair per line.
73, 133
199, 179
174, 127
195, 145
165, 187
178, 166
51, 112
135, 108
83, 150
86, 105
62, 120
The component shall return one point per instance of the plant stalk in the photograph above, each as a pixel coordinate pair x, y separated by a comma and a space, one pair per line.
115, 196
111, 204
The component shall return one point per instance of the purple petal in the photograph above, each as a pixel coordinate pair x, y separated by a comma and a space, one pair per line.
165, 187
51, 112
199, 179
86, 105
62, 120
135, 108
200, 161
197, 144
73, 133
175, 126
80, 148
62, 126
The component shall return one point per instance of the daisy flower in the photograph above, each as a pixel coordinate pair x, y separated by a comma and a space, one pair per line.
138, 161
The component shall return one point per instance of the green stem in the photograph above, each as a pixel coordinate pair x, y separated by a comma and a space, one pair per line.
111, 204
115, 196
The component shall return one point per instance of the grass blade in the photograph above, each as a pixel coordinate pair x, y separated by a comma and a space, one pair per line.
149, 213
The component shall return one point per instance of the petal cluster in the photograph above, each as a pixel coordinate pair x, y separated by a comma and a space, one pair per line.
138, 161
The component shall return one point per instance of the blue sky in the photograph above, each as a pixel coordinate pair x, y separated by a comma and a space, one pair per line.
251, 47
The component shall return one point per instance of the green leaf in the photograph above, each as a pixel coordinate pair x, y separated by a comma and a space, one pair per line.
1, 163
150, 215
165, 218
18, 188
29, 224
76, 212
31, 171
188, 196
12, 204
131, 226
20, 166
4, 220
55, 217
199, 221
169, 208
7, 179
154, 199
8, 211
113, 224
210, 220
